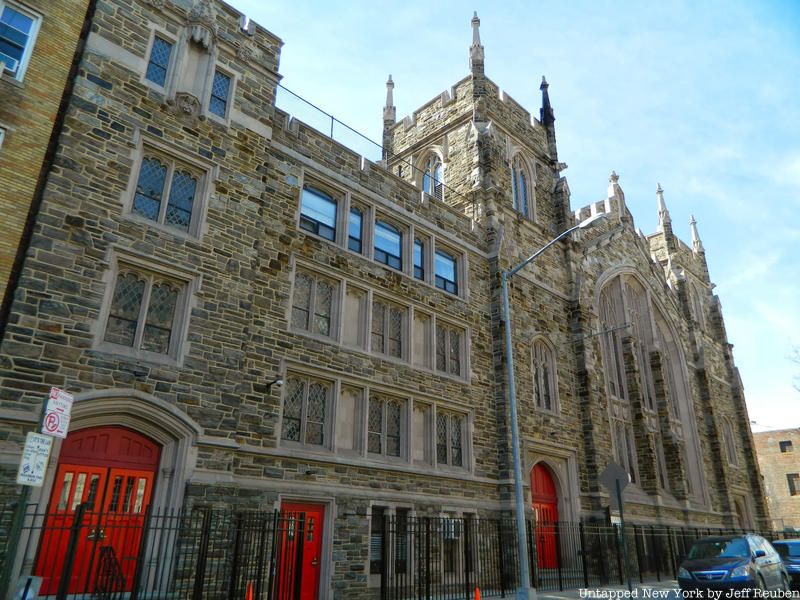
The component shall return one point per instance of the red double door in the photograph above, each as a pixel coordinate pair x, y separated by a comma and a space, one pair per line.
111, 472
544, 498
300, 551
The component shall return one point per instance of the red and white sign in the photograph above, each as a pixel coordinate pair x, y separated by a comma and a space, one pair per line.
57, 413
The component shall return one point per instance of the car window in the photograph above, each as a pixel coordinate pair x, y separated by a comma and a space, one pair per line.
735, 548
786, 549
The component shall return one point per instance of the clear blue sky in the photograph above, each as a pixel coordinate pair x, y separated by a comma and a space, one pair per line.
703, 97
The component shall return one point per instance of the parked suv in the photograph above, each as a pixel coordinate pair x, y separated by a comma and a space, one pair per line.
790, 553
732, 562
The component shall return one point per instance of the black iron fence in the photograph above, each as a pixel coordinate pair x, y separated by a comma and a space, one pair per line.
213, 554
202, 554
447, 558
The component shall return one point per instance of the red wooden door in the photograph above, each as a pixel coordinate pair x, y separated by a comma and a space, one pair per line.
544, 498
300, 560
111, 470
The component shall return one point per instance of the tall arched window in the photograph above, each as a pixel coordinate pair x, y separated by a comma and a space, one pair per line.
519, 186
545, 391
432, 177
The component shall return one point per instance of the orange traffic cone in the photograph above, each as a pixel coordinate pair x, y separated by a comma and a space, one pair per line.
248, 595
477, 593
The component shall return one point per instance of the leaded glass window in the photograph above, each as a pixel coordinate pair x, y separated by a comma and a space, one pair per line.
312, 305
142, 313
220, 90
388, 324
386, 426
449, 439
448, 349
305, 409
158, 63
160, 178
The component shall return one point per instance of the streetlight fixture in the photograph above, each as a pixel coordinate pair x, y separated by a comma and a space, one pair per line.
522, 547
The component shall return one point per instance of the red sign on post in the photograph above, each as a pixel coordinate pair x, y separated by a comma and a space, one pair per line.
57, 413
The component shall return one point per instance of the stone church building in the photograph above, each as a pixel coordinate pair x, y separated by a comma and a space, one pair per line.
250, 314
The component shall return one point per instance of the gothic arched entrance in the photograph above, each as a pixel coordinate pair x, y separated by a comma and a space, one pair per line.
108, 474
544, 499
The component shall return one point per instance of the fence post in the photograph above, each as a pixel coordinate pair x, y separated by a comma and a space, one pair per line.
202, 554
69, 556
656, 551
262, 551
638, 547
618, 533
384, 546
500, 558
532, 558
582, 538
237, 540
427, 557
467, 555
558, 556
137, 573
275, 552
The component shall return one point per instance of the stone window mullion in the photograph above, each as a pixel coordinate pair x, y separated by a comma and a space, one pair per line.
162, 209
140, 321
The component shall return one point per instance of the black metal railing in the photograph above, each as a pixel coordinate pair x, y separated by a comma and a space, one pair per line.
200, 554
438, 558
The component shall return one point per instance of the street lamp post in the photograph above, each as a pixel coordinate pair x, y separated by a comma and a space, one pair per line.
522, 547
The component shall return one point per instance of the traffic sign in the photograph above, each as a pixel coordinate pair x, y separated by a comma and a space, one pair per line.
612, 475
34, 459
57, 413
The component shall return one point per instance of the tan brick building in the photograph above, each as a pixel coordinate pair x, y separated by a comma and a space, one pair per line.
197, 247
778, 458
39, 41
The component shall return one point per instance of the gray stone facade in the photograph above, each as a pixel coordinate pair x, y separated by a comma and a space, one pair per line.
260, 294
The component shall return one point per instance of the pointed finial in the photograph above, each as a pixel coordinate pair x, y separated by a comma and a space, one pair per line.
476, 50
613, 178
546, 114
663, 214
389, 111
696, 243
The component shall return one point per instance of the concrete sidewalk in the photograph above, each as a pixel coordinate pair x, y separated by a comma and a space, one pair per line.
655, 590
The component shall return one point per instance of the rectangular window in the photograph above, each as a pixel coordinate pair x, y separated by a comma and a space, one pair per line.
318, 213
793, 479
220, 90
18, 29
387, 329
162, 178
448, 349
446, 269
388, 245
354, 229
312, 304
158, 63
386, 426
419, 259
786, 446
387, 530
305, 409
143, 312
449, 439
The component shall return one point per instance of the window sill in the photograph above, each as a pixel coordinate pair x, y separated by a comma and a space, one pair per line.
18, 83
134, 354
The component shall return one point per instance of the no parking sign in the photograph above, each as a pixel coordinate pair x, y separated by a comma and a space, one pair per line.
57, 413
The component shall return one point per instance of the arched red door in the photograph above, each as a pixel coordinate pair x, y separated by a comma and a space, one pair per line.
544, 499
111, 472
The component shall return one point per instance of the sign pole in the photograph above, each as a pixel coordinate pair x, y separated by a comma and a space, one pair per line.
622, 532
54, 418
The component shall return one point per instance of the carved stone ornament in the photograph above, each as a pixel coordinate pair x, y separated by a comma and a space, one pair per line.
246, 52
202, 23
185, 105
